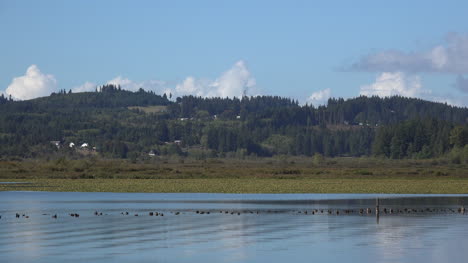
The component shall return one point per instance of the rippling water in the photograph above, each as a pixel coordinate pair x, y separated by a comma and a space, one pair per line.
278, 233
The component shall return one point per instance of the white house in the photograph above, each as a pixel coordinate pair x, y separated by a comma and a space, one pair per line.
71, 145
84, 145
56, 143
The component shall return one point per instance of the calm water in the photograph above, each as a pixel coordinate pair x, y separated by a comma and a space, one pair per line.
278, 233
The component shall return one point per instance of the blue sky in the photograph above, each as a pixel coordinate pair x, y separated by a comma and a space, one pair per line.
307, 50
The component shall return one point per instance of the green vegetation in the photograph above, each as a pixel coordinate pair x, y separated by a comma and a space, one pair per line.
130, 125
265, 175
149, 109
117, 140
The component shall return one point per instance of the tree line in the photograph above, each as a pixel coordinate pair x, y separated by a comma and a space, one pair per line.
125, 124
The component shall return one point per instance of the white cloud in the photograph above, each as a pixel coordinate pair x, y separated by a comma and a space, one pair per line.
125, 83
454, 100
398, 83
191, 86
235, 82
32, 85
395, 83
86, 87
319, 97
451, 57
157, 86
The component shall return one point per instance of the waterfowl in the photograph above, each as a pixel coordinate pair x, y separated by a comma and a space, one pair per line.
54, 216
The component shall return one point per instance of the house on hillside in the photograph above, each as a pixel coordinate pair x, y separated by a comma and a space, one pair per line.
56, 144
152, 153
84, 146
71, 145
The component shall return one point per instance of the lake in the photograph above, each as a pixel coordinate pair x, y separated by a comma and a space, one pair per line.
231, 228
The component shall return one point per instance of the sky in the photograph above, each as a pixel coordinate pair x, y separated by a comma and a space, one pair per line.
305, 50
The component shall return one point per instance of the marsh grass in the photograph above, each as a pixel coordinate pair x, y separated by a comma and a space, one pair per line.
269, 175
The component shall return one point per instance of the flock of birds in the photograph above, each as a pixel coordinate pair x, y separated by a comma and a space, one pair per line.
362, 211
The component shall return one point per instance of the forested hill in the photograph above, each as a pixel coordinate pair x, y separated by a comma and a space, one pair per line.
123, 124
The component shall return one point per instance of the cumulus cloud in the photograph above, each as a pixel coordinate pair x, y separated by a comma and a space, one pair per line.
85, 87
192, 86
125, 83
450, 57
395, 83
461, 83
319, 97
32, 85
235, 82
398, 83
157, 86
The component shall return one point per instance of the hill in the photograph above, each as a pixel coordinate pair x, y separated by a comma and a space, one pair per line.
116, 123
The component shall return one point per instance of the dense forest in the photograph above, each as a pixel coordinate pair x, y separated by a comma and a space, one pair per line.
116, 123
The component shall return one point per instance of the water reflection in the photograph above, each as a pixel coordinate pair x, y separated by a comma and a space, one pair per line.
281, 231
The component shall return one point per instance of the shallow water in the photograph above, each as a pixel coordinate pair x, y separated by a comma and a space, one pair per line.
278, 233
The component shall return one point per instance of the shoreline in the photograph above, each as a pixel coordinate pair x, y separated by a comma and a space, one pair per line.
246, 186
262, 175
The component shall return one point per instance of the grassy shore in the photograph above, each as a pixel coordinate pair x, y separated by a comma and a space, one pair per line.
273, 175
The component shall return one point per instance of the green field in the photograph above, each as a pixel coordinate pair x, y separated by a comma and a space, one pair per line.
279, 175
149, 109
